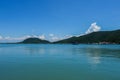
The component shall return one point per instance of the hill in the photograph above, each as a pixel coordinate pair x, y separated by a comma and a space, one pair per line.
34, 41
95, 37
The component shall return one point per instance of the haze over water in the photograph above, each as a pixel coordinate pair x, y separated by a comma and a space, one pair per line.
59, 62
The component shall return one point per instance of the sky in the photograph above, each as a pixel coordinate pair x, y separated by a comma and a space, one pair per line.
56, 19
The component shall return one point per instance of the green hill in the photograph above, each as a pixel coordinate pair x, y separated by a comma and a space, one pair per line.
95, 37
34, 41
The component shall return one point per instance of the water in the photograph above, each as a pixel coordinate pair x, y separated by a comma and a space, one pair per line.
59, 62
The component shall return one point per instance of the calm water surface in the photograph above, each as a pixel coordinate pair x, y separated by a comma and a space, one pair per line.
59, 62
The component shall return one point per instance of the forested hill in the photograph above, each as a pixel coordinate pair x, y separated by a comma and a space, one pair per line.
95, 37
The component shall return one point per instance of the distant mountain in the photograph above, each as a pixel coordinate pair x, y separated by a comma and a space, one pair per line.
34, 41
95, 37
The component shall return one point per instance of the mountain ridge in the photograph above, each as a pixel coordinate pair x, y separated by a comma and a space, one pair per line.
95, 37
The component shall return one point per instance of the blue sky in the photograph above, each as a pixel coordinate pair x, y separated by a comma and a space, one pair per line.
56, 18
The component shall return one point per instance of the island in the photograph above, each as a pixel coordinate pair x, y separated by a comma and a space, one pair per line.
34, 40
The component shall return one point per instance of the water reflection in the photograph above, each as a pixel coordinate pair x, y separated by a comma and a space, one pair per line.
95, 54
32, 50
103, 52
42, 50
92, 54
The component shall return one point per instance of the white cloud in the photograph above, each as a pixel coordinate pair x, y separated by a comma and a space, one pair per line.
41, 37
17, 39
1, 37
28, 36
7, 38
67, 36
93, 28
34, 36
21, 38
53, 37
57, 38
79, 35
13, 39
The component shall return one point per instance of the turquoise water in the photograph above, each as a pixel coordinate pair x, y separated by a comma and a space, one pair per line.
59, 62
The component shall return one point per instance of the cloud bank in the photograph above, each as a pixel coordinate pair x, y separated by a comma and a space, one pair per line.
51, 37
1, 37
42, 37
17, 39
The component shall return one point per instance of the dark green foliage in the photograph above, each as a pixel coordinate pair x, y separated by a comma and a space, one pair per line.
34, 41
95, 37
